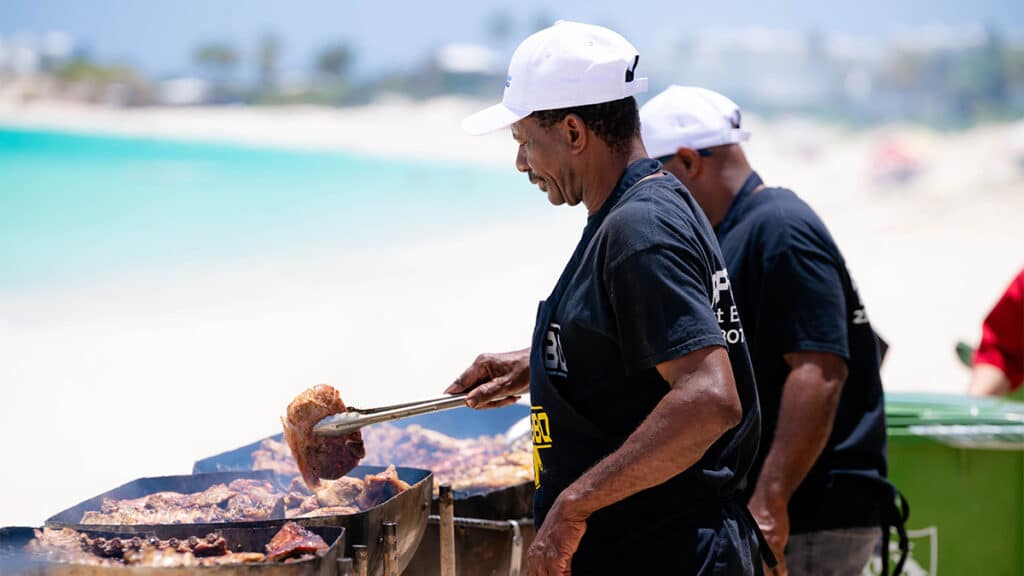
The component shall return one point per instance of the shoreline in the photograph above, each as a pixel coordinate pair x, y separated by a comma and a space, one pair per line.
930, 255
426, 131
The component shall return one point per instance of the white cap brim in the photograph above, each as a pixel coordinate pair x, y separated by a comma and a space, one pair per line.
659, 145
493, 118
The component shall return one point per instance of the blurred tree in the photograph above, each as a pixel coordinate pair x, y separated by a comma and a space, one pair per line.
977, 79
82, 79
500, 27
333, 62
216, 59
1015, 66
268, 54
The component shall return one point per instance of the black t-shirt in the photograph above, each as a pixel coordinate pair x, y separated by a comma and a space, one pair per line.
795, 294
651, 287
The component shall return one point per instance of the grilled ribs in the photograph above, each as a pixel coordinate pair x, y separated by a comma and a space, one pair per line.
70, 547
320, 456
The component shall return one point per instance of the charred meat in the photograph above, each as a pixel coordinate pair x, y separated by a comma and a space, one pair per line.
70, 547
294, 540
320, 456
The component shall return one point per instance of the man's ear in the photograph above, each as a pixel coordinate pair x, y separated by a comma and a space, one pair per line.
575, 132
691, 160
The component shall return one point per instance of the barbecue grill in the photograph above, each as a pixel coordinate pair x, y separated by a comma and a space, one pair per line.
408, 509
493, 528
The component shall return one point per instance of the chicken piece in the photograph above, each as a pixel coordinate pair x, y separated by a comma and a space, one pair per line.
294, 540
341, 492
379, 488
297, 485
320, 456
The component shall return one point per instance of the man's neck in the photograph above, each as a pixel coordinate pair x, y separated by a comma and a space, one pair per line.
604, 172
733, 176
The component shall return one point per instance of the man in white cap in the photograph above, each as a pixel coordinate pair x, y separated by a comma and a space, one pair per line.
644, 412
820, 492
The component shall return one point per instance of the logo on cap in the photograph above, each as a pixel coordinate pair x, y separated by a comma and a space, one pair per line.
508, 81
734, 120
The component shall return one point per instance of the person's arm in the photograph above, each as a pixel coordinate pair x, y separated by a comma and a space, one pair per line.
988, 380
807, 411
805, 313
701, 405
999, 359
494, 380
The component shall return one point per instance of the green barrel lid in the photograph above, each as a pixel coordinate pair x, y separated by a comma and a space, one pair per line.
957, 420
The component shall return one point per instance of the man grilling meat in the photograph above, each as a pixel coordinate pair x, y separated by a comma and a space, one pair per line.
645, 418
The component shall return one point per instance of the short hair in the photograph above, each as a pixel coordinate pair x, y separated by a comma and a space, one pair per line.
616, 122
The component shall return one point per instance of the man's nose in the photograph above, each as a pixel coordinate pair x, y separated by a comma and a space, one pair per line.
521, 164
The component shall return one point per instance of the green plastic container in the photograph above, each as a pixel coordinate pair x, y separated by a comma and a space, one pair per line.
960, 463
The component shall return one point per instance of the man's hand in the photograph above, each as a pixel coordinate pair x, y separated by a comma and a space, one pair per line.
494, 380
773, 519
557, 540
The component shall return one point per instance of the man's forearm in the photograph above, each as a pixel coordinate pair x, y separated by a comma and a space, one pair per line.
697, 410
810, 398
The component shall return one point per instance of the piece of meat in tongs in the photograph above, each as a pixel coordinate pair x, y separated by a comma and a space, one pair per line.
319, 456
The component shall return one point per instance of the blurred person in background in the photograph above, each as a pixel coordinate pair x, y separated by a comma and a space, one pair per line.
821, 492
998, 363
645, 415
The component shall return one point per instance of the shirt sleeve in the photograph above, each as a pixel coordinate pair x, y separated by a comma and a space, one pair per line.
662, 307
1002, 334
804, 295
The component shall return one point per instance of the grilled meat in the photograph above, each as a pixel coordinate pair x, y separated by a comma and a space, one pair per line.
346, 495
240, 500
381, 487
467, 464
248, 499
294, 540
320, 456
340, 492
70, 547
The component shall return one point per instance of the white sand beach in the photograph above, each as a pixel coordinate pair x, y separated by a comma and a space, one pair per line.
142, 373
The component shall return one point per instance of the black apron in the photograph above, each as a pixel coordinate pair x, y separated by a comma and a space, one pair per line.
688, 527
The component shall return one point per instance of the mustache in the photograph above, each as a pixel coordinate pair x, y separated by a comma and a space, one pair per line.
533, 177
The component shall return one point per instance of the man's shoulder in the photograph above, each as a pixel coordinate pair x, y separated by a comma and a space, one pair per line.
653, 214
781, 220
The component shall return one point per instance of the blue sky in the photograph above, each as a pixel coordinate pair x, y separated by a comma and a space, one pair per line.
158, 36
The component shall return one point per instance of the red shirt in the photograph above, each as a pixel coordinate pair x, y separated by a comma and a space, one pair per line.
1002, 334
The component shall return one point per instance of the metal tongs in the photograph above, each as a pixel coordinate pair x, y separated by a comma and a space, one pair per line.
356, 418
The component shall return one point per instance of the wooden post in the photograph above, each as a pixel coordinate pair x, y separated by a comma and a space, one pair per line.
390, 530
361, 559
446, 511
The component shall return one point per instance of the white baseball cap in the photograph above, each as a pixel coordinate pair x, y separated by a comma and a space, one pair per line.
689, 117
568, 64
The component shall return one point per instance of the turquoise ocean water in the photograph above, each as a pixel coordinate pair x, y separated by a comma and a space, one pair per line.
75, 207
